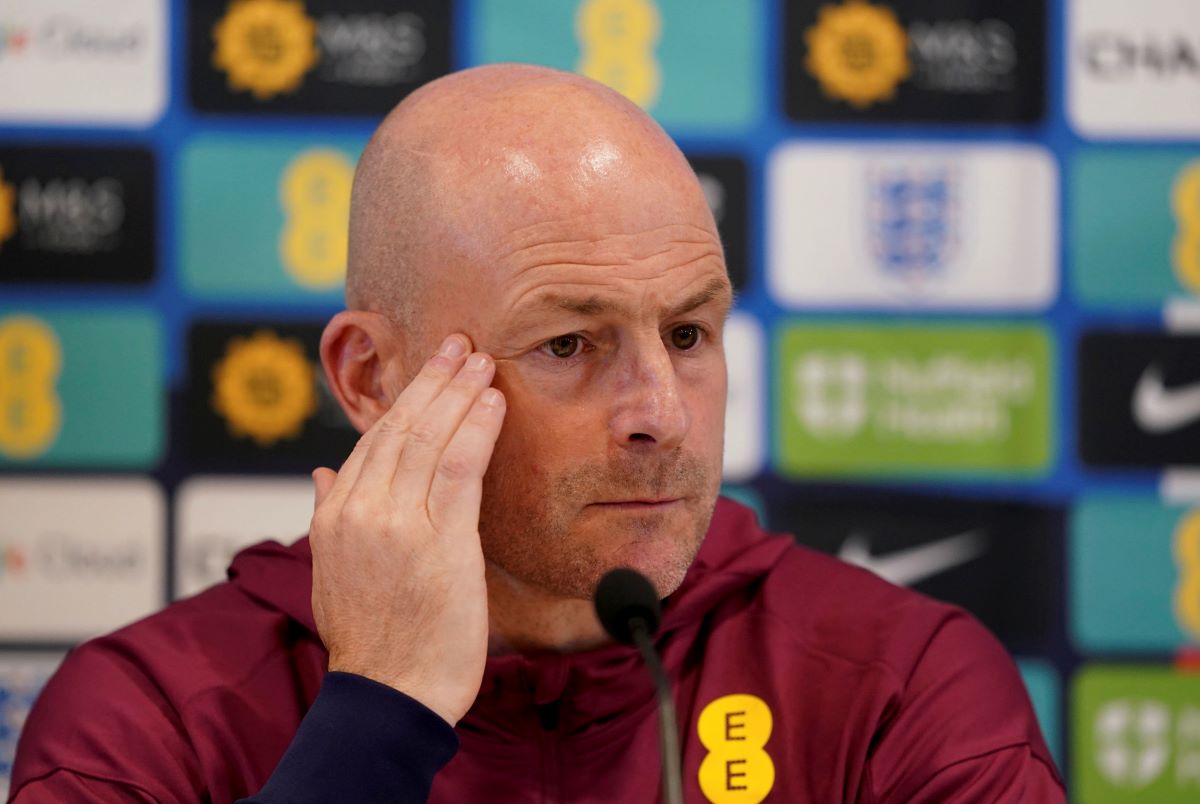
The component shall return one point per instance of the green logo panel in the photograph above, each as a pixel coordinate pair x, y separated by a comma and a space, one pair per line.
266, 219
893, 400
1136, 735
1135, 226
690, 63
80, 388
1135, 575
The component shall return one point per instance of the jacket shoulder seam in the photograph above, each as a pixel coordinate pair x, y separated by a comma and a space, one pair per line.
85, 775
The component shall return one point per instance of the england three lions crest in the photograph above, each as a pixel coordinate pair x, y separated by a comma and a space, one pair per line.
914, 221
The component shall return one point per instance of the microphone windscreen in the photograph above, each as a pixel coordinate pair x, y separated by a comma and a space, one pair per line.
622, 597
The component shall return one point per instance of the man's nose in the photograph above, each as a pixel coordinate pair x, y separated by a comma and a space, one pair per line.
649, 410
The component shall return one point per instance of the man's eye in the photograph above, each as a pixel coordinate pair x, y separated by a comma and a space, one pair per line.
685, 337
564, 346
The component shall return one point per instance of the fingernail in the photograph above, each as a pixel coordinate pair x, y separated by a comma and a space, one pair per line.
492, 398
477, 362
453, 347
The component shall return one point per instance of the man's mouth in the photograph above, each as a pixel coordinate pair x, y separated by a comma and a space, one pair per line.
639, 503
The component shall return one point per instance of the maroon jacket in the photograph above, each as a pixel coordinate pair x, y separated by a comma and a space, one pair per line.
796, 676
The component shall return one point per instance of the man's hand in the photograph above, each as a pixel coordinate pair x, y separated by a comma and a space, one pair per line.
398, 575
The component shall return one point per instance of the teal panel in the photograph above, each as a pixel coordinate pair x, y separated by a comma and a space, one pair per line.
265, 219
1134, 226
690, 63
1045, 690
1123, 576
748, 497
81, 388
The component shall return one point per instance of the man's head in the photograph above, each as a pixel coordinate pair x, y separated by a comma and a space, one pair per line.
555, 224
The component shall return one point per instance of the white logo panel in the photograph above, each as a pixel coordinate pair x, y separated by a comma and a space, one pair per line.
215, 517
1134, 68
78, 557
913, 227
744, 412
22, 676
95, 62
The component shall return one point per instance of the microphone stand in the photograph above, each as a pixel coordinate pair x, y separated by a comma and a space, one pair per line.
668, 732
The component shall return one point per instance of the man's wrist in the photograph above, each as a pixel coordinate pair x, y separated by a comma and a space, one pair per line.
422, 692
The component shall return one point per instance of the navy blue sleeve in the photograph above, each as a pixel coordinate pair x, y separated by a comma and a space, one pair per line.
361, 741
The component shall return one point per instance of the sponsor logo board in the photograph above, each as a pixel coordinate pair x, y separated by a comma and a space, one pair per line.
1180, 485
1135, 226
1044, 687
723, 179
747, 496
77, 215
927, 226
943, 400
60, 61
257, 400
970, 553
22, 676
80, 388
1133, 70
266, 218
1136, 735
1135, 575
78, 557
918, 60
353, 57
745, 405
215, 517
1139, 399
688, 64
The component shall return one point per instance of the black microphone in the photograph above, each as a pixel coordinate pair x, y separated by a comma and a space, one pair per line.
629, 610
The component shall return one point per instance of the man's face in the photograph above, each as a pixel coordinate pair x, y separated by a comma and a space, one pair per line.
608, 342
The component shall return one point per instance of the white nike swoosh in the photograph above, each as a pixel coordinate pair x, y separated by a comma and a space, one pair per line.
1158, 409
914, 564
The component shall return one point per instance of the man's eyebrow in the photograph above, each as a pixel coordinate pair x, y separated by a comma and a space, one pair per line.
715, 289
594, 305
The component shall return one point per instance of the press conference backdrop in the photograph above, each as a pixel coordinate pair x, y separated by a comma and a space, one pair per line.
966, 353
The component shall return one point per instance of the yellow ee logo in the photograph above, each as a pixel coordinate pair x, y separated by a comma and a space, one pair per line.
315, 194
1185, 203
1187, 556
30, 410
736, 769
616, 40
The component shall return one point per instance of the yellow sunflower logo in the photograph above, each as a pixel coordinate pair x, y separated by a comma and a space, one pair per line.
265, 46
264, 387
8, 209
858, 52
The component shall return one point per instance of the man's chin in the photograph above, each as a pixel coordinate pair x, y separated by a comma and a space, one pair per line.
663, 554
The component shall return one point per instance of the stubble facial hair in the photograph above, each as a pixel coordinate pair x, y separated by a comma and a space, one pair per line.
530, 528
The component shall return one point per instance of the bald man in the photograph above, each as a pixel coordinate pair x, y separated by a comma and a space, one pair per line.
533, 354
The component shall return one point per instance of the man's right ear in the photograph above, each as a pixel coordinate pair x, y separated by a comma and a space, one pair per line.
363, 357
